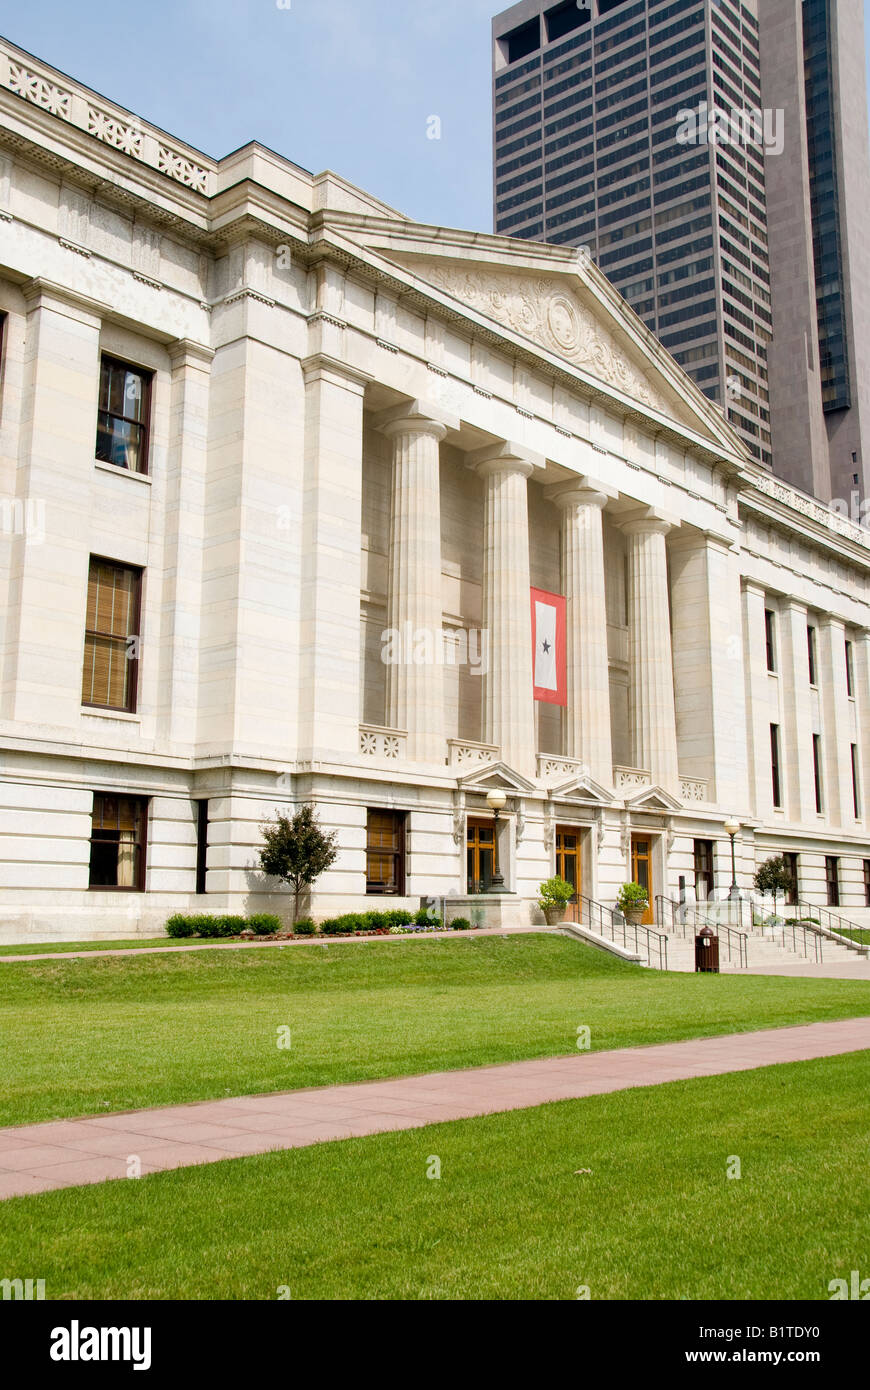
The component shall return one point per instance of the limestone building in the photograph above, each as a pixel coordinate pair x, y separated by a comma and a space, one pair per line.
280, 470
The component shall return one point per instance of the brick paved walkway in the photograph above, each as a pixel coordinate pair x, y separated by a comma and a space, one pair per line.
66, 1153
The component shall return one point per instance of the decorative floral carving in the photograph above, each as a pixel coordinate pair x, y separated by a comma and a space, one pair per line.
183, 170
545, 311
39, 90
124, 137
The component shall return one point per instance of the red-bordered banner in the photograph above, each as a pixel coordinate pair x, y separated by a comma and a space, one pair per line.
549, 657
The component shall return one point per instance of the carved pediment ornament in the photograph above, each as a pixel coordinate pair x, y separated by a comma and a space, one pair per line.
551, 315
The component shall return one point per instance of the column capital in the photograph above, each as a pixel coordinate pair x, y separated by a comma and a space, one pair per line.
184, 352
583, 491
504, 457
647, 521
415, 417
40, 293
321, 367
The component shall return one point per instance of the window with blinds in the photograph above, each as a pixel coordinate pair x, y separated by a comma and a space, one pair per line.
118, 842
122, 418
110, 671
385, 852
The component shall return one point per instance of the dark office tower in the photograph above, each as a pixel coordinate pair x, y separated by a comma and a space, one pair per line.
603, 138
812, 67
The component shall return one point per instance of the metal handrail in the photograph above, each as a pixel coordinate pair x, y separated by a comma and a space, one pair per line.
828, 923
687, 918
610, 923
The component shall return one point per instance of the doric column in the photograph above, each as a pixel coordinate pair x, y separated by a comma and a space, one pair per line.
652, 718
587, 717
509, 705
415, 688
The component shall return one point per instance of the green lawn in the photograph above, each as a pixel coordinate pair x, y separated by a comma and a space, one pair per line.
114, 1033
50, 948
859, 934
510, 1217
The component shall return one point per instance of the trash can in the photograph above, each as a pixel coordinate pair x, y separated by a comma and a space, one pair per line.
707, 951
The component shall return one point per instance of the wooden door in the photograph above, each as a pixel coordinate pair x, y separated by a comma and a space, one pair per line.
641, 871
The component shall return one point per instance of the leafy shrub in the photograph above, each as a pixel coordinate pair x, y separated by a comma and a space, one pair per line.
230, 926
555, 892
337, 926
460, 924
426, 918
265, 924
179, 926
305, 927
398, 917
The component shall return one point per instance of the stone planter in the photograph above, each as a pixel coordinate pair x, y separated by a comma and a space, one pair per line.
634, 916
555, 915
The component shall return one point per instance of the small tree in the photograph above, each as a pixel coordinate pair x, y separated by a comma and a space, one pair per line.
296, 850
774, 876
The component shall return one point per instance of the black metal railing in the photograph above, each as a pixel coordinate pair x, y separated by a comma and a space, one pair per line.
608, 922
687, 919
822, 919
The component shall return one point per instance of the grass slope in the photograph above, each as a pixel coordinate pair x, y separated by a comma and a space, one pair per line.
509, 1218
85, 1036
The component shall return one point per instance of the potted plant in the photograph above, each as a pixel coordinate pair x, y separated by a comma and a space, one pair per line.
633, 901
553, 898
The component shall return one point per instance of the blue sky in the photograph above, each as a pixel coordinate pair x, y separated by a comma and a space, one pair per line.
341, 84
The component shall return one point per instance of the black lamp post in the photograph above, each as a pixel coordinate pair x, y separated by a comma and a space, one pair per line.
496, 802
732, 828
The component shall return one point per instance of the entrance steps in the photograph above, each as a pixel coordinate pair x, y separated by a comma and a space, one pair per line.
760, 950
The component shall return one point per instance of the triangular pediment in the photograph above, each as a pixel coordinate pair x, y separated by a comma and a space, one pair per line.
495, 777
653, 799
581, 790
572, 311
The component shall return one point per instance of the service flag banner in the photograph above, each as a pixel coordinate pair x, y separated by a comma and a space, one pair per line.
548, 647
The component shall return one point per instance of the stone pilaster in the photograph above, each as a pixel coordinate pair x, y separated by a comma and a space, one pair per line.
837, 724
761, 710
415, 687
652, 717
509, 705
50, 510
587, 717
331, 541
183, 543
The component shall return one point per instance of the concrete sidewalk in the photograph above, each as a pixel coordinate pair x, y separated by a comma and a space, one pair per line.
67, 1153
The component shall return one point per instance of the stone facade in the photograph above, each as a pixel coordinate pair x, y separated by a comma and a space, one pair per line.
358, 424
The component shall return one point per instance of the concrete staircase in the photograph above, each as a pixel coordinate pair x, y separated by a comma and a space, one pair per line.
760, 950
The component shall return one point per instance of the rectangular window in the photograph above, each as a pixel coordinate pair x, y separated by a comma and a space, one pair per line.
811, 653
770, 639
791, 896
201, 845
111, 662
118, 829
856, 799
774, 765
385, 853
832, 879
850, 672
867, 882
123, 415
817, 771
703, 870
